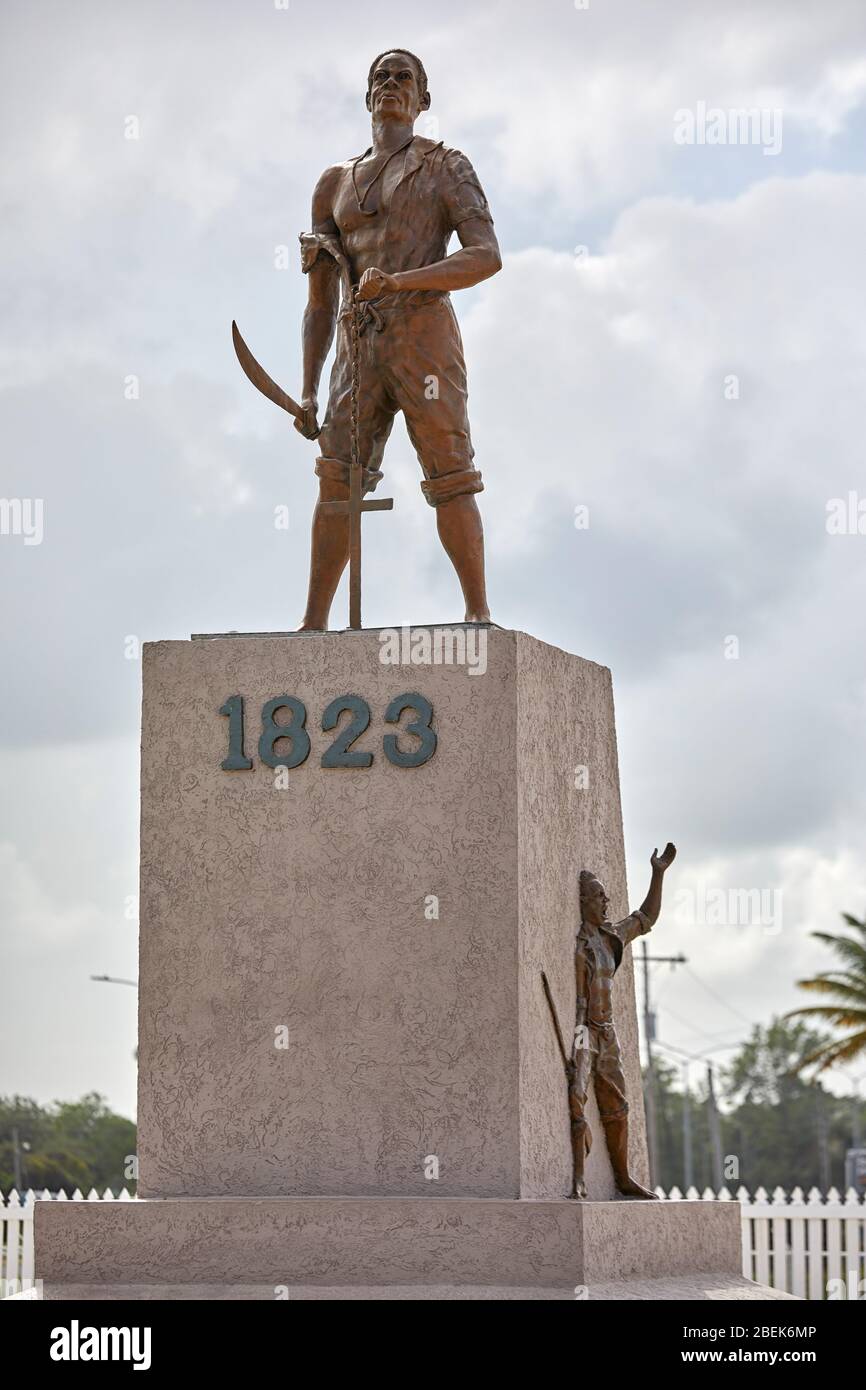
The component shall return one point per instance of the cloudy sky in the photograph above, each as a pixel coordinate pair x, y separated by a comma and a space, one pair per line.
677, 342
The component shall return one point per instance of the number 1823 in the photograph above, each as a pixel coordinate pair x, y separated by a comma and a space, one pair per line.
417, 737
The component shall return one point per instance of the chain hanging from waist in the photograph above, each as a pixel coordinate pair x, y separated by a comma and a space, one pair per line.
369, 312
365, 315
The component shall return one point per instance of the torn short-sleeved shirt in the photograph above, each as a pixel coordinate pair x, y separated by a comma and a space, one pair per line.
635, 924
598, 955
437, 190
462, 195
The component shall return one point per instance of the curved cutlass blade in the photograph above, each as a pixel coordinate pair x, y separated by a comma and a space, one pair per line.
260, 379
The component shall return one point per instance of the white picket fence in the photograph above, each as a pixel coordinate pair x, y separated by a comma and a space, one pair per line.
807, 1245
17, 1265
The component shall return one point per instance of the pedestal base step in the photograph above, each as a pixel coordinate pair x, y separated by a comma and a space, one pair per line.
352, 1247
715, 1287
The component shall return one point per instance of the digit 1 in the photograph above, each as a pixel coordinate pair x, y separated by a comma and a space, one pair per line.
234, 710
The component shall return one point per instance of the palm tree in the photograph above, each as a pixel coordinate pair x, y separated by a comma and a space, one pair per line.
845, 989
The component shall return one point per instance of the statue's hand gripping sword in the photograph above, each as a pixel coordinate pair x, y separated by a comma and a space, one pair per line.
312, 244
260, 379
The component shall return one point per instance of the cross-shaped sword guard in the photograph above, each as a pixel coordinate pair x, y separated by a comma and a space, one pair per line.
354, 506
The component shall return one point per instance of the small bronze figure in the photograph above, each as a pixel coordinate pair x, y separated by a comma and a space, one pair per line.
596, 1052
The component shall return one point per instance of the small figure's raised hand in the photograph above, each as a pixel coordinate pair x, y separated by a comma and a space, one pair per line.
664, 861
308, 424
375, 282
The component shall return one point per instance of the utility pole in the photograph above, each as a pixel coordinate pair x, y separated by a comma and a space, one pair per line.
823, 1147
17, 1175
688, 1166
650, 1096
715, 1131
857, 1115
649, 1034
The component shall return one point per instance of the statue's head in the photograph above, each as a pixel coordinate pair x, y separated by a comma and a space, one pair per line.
593, 899
397, 86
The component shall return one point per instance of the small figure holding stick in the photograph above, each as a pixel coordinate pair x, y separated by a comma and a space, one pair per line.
595, 1054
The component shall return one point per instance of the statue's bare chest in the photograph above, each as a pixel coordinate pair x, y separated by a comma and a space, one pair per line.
365, 192
598, 956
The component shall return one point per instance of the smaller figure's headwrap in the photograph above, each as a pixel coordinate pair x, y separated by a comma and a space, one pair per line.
587, 879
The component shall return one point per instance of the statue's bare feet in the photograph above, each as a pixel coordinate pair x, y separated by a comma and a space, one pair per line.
578, 1192
630, 1188
482, 615
307, 626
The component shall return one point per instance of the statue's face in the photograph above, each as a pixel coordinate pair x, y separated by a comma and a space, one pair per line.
395, 92
594, 904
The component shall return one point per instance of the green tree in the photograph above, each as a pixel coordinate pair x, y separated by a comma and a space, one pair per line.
784, 1130
845, 998
671, 1101
781, 1129
69, 1144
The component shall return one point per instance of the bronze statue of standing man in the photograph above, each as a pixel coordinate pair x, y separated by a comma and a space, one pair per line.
381, 224
596, 1055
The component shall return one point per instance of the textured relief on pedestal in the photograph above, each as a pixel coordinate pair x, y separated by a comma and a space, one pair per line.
374, 1241
303, 909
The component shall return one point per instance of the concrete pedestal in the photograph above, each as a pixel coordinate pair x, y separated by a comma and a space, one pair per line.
340, 975
349, 1084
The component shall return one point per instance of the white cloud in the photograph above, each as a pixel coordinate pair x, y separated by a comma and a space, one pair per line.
31, 917
741, 971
